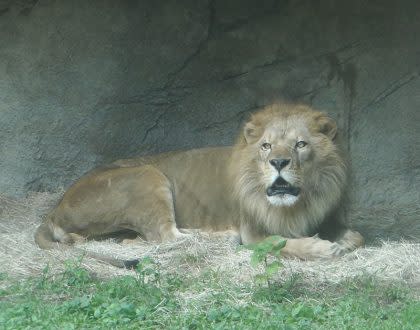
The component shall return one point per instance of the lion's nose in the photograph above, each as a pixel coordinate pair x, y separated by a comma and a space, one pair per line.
279, 163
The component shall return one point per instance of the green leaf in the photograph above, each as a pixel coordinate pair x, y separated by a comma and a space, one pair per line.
272, 268
255, 259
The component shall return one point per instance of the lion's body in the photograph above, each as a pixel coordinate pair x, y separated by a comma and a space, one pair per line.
220, 189
145, 187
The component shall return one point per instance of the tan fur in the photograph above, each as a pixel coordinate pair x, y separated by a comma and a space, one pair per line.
220, 189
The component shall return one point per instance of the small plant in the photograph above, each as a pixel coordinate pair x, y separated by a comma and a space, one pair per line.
271, 246
148, 271
74, 274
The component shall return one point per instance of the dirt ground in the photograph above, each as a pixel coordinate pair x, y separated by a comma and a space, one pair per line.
20, 257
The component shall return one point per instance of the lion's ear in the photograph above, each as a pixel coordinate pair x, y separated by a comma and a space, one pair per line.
251, 132
327, 126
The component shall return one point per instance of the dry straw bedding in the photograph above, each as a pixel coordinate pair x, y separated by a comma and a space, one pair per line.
20, 257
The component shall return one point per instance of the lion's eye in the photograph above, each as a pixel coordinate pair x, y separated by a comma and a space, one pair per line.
266, 146
300, 144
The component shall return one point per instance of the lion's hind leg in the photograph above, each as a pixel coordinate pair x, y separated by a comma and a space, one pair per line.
151, 212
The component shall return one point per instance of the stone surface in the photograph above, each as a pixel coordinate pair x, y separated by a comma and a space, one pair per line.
86, 82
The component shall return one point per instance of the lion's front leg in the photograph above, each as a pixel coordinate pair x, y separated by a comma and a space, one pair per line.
306, 248
311, 248
351, 240
249, 235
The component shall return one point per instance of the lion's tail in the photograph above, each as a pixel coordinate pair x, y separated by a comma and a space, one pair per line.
49, 239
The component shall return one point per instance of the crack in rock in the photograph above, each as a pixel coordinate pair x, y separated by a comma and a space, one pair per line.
155, 125
201, 45
391, 89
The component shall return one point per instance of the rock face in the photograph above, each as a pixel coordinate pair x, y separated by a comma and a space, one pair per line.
85, 82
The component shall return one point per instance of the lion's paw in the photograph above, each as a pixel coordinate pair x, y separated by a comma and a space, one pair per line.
182, 235
351, 240
323, 249
337, 250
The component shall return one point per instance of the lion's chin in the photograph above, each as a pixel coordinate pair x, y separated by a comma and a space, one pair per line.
282, 200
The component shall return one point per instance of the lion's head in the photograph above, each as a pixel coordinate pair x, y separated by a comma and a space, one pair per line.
286, 161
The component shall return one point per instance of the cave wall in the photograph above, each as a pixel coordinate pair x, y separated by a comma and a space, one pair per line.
85, 82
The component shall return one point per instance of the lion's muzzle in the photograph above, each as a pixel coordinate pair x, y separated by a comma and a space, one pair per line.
282, 187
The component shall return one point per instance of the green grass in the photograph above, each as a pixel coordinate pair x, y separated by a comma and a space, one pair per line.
77, 300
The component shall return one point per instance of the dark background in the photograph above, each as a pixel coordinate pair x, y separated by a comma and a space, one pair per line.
83, 83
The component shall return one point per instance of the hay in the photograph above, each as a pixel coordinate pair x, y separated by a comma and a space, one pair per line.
20, 257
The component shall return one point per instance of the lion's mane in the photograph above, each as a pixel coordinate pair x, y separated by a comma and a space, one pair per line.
322, 187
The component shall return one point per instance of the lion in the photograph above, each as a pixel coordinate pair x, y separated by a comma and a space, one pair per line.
284, 176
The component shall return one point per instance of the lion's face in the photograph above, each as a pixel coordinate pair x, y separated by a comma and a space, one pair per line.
282, 156
290, 147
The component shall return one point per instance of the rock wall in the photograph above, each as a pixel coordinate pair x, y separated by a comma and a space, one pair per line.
86, 82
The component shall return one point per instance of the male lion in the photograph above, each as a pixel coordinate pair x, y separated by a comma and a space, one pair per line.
284, 177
